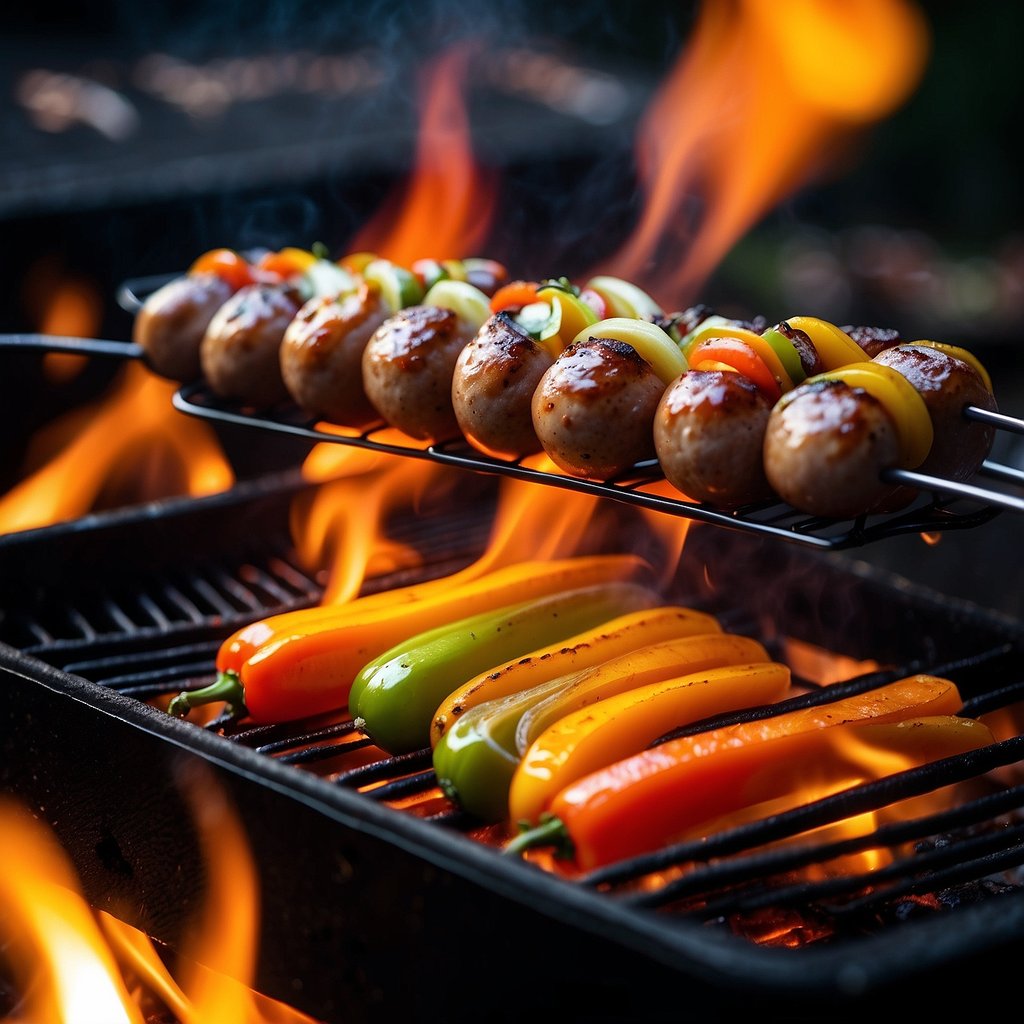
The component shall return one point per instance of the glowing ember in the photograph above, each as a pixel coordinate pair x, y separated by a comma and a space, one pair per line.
449, 205
764, 98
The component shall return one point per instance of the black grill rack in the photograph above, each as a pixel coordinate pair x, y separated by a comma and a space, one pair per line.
949, 505
114, 651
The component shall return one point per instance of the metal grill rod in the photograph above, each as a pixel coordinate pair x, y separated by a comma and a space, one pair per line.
718, 874
869, 796
767, 518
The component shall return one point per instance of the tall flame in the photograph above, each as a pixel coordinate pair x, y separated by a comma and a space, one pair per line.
763, 99
447, 208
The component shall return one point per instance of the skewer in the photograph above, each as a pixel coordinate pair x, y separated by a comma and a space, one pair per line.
920, 481
955, 488
998, 420
74, 346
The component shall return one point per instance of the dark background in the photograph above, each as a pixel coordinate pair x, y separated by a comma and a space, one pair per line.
922, 230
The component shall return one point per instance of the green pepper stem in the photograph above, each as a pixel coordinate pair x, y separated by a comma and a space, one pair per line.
550, 831
226, 687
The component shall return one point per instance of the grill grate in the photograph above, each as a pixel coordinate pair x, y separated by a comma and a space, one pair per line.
733, 873
673, 907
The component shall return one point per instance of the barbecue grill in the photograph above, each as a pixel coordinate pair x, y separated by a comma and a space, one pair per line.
377, 893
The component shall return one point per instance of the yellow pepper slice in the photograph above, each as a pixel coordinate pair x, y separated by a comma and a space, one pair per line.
649, 340
835, 347
900, 399
962, 354
576, 315
627, 723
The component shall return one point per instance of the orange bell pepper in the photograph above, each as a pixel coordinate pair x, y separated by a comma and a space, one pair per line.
307, 667
246, 641
653, 798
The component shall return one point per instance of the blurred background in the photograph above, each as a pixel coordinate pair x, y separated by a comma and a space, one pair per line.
136, 137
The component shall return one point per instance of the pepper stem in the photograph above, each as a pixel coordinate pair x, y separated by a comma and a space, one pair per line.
226, 687
550, 831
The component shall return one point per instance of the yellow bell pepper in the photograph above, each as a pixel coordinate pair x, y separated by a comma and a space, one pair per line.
900, 399
619, 726
585, 650
835, 347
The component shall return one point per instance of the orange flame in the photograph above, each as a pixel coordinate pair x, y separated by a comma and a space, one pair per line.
72, 964
447, 208
132, 446
762, 101
342, 521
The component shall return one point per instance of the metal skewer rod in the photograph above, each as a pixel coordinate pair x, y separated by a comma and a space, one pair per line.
956, 488
996, 419
75, 346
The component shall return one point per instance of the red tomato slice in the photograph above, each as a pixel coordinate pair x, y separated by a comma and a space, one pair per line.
739, 355
514, 295
227, 265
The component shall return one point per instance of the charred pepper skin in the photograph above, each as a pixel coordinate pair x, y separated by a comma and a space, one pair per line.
395, 696
303, 663
476, 760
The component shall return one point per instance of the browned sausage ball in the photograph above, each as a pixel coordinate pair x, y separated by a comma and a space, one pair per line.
709, 436
825, 448
947, 385
408, 366
322, 356
593, 410
874, 339
240, 350
492, 388
172, 321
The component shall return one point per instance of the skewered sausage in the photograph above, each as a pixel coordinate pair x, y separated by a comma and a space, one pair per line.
826, 447
594, 408
709, 436
240, 349
407, 368
948, 385
493, 383
172, 321
322, 354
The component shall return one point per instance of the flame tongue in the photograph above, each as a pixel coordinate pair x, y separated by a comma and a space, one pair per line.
758, 104
448, 206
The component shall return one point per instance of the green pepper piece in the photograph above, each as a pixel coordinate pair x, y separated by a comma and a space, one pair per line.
476, 758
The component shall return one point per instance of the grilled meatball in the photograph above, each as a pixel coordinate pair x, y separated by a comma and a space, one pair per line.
322, 356
947, 385
709, 436
408, 365
593, 410
240, 350
492, 388
825, 448
172, 321
874, 339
